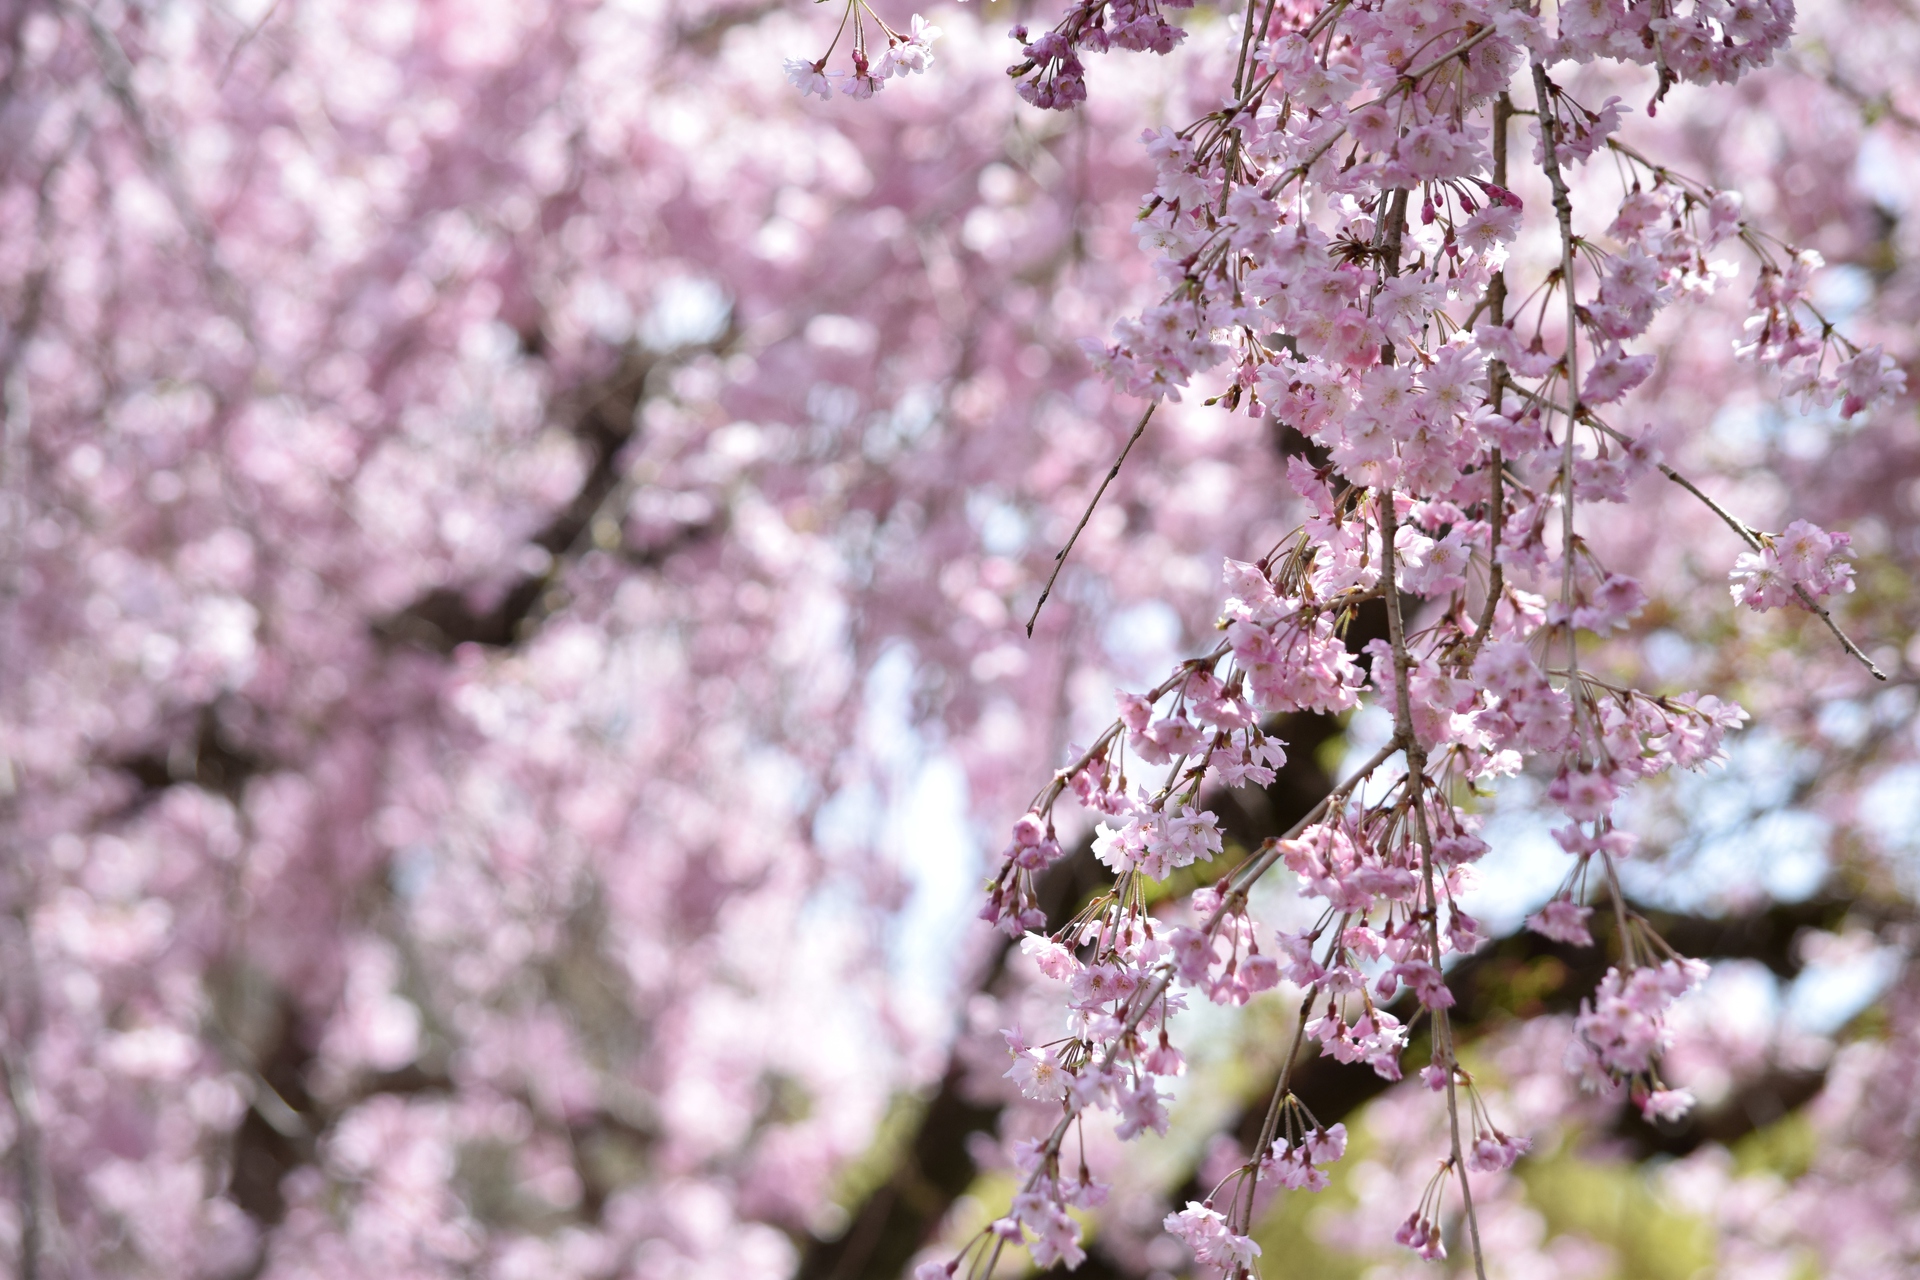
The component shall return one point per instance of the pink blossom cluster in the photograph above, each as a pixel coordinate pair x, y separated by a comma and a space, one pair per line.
1109, 1062
1052, 76
1778, 335
1204, 1230
1701, 42
1301, 1165
1337, 235
1622, 1029
1805, 560
906, 53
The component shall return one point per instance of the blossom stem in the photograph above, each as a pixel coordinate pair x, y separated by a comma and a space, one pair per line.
1563, 212
1628, 956
1408, 741
1270, 1127
1246, 41
1496, 380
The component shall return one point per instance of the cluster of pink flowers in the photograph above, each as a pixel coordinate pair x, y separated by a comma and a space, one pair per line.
1334, 240
905, 54
1215, 1246
1110, 1061
1209, 732
1705, 42
1459, 445
1052, 75
1623, 1030
1805, 559
1300, 1166
1780, 337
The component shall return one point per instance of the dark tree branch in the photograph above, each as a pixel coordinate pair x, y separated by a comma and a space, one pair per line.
203, 751
603, 420
200, 748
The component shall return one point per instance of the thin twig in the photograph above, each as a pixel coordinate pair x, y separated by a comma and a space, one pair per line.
1406, 739
1246, 41
1060, 558
1433, 64
246, 39
1563, 211
1496, 380
1628, 956
1270, 1127
1801, 593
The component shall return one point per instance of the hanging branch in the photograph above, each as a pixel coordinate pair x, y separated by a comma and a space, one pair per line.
1060, 557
